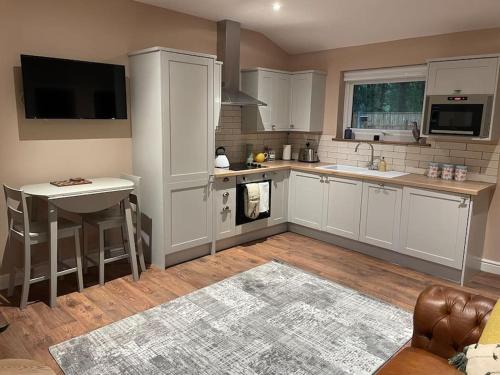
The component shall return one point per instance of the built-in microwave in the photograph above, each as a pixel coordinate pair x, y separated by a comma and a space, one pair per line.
458, 115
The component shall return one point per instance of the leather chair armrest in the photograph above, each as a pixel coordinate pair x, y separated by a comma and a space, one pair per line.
446, 319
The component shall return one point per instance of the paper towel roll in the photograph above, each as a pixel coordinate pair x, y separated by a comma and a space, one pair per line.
287, 152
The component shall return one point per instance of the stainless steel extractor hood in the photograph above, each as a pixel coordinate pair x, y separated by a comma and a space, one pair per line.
228, 51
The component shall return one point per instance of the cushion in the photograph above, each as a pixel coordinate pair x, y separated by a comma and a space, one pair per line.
483, 359
414, 361
491, 333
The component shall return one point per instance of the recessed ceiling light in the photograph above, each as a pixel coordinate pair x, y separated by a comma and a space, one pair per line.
276, 6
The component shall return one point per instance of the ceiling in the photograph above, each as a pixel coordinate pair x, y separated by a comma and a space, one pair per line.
312, 25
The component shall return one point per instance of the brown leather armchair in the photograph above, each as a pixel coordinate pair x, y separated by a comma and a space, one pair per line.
444, 321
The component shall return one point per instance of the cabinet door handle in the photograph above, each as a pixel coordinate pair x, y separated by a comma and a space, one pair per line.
225, 195
381, 186
292, 126
226, 208
464, 202
273, 127
226, 179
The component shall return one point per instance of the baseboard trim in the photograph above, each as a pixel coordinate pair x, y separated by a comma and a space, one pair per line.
250, 236
390, 256
486, 265
490, 266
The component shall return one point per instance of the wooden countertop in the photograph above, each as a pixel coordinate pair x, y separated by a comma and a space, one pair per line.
412, 180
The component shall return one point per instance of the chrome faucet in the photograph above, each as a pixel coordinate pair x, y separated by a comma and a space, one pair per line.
371, 165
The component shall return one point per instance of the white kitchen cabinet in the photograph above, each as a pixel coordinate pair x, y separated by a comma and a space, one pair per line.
466, 76
295, 100
279, 197
306, 199
172, 98
434, 226
307, 101
342, 206
225, 207
381, 215
273, 88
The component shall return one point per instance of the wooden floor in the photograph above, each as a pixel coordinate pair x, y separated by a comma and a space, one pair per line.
37, 327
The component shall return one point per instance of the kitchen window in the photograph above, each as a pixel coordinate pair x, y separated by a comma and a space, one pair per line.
386, 102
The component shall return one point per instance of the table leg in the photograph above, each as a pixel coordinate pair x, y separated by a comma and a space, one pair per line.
53, 253
131, 241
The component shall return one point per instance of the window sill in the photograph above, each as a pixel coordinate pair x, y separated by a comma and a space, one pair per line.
401, 143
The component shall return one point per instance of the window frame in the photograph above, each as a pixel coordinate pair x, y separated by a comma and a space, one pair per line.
373, 76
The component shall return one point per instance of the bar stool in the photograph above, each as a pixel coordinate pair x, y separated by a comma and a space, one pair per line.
114, 218
29, 233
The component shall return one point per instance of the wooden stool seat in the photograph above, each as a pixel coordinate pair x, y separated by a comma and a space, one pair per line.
23, 366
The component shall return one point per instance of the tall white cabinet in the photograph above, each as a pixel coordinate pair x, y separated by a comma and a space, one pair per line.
172, 94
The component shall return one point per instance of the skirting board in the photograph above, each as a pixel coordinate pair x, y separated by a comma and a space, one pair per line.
486, 264
490, 266
420, 265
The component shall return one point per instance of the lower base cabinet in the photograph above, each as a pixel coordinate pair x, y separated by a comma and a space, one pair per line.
421, 223
225, 207
381, 215
279, 197
424, 224
342, 206
306, 199
434, 226
190, 215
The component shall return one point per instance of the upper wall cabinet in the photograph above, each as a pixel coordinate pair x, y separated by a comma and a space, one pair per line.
467, 76
307, 101
295, 101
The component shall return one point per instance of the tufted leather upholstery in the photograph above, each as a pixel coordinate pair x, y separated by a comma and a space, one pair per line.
446, 319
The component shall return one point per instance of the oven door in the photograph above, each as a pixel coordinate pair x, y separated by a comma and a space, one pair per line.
241, 218
459, 115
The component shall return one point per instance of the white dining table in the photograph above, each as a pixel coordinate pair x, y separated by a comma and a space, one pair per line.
101, 194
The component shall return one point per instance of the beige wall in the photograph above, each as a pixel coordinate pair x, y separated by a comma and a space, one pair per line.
398, 53
100, 30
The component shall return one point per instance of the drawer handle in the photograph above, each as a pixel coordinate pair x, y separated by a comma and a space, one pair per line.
226, 179
273, 127
225, 195
226, 208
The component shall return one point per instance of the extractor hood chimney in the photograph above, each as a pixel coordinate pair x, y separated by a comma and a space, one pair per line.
228, 51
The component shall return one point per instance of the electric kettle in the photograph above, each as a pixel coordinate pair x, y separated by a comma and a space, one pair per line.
221, 160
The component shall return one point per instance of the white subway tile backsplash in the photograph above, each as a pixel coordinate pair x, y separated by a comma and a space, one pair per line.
491, 156
451, 145
489, 171
482, 161
434, 151
466, 154
484, 148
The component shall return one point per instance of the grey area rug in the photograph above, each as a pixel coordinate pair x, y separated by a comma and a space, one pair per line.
272, 319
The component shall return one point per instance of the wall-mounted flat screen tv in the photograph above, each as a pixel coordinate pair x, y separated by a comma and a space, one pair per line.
70, 89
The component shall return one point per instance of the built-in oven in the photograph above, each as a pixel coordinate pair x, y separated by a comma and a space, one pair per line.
241, 185
458, 115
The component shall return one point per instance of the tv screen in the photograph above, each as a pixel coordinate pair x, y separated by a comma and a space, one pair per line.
70, 89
